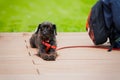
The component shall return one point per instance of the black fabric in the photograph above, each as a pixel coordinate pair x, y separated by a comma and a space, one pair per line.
97, 24
104, 23
112, 13
112, 19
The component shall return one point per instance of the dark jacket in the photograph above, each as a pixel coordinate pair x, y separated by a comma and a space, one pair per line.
112, 15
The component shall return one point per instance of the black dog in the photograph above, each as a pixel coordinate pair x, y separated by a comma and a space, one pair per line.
45, 40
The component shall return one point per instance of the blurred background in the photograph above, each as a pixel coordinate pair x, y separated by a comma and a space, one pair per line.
25, 15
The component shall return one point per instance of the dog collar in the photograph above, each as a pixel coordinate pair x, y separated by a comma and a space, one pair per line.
48, 46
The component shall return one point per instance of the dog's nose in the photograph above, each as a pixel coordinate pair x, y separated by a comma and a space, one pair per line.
44, 32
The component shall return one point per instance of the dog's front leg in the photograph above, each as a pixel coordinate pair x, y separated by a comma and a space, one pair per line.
42, 53
52, 54
52, 51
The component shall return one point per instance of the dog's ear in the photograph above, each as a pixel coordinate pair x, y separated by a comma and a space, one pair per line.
54, 28
37, 29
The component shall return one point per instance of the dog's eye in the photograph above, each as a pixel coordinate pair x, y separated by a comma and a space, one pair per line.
42, 28
48, 27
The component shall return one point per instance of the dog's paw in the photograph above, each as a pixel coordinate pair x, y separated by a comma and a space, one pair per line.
52, 56
49, 57
44, 56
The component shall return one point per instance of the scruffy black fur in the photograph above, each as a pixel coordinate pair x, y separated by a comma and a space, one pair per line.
46, 32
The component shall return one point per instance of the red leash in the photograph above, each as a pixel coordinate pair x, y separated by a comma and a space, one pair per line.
48, 46
100, 47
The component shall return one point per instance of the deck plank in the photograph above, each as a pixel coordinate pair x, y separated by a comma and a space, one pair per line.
19, 61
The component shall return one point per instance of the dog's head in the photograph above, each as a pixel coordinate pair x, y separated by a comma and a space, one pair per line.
46, 30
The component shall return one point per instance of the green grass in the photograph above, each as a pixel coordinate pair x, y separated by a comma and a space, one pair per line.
25, 15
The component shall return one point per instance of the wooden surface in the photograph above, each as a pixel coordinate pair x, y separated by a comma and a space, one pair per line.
18, 61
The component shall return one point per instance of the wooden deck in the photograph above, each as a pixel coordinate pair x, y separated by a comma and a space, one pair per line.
18, 61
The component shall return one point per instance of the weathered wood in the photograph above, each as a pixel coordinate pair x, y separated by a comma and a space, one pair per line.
18, 61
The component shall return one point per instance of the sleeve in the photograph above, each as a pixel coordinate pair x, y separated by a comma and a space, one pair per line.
107, 13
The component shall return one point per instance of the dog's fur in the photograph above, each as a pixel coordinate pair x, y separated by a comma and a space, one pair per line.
46, 32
